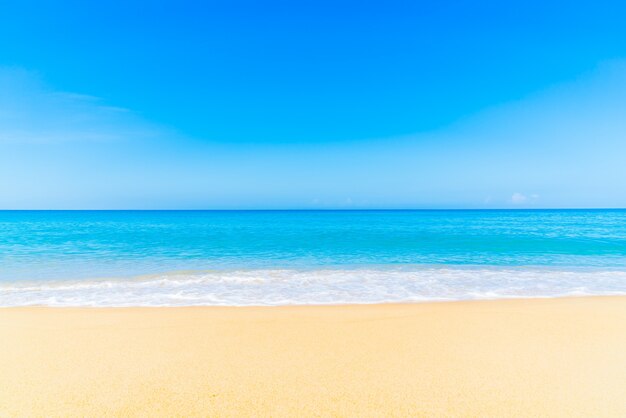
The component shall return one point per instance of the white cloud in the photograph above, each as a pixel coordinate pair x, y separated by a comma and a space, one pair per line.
520, 198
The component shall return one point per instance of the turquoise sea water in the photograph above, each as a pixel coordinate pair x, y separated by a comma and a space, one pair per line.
119, 258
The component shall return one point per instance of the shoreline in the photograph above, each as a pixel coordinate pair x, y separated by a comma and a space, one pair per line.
279, 287
321, 305
529, 356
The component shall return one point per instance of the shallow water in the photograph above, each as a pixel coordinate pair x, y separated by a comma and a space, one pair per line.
136, 258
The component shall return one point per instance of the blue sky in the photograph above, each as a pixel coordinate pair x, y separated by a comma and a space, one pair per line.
312, 105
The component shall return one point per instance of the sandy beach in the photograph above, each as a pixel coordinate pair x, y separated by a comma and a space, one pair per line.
540, 357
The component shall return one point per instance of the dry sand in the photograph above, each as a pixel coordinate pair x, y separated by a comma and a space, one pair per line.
544, 357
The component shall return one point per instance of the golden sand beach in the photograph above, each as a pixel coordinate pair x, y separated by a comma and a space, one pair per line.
541, 357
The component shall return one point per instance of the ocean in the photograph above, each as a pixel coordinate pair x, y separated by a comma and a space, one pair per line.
189, 258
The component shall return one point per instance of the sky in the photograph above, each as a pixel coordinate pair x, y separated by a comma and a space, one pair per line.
312, 105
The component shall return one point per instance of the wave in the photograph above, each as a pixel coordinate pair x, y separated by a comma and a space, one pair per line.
317, 287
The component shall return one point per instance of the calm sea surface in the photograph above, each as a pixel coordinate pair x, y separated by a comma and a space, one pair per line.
162, 258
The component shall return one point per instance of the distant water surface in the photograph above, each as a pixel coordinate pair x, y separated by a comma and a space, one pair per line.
163, 258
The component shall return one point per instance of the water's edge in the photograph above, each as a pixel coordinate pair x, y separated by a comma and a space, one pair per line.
276, 287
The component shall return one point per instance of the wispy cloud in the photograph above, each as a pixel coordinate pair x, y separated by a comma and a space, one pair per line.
63, 149
566, 143
31, 112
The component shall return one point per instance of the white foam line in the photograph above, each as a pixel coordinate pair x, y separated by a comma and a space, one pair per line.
272, 287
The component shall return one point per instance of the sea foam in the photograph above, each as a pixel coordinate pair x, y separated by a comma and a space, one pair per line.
315, 286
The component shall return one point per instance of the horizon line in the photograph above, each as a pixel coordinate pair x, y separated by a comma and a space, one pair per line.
315, 210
